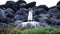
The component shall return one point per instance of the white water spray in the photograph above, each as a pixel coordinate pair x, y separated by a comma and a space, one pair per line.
30, 15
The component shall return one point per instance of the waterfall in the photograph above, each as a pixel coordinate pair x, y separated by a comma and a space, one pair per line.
30, 15
31, 22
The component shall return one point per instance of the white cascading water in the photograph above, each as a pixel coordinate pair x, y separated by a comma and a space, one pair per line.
31, 22
30, 15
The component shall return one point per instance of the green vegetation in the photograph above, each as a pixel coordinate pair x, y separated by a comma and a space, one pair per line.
40, 30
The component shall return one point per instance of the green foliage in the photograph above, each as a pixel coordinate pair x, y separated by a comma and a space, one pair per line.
40, 30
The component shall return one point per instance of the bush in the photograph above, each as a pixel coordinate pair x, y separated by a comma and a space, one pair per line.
40, 30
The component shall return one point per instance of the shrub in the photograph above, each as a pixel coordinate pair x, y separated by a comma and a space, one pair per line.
40, 30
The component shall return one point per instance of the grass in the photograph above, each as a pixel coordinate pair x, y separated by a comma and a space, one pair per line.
40, 30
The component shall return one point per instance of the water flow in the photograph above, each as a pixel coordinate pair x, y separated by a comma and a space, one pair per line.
30, 15
31, 22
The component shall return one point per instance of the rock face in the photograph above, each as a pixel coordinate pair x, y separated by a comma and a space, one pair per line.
18, 13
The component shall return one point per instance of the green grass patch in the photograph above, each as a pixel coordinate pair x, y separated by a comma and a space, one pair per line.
40, 30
